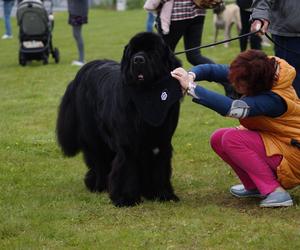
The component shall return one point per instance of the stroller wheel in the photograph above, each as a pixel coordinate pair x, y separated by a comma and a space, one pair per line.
22, 60
55, 55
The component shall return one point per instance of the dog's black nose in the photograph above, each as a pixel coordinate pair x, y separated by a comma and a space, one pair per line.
139, 60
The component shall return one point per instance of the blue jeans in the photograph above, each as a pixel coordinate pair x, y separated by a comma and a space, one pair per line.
291, 43
7, 8
150, 21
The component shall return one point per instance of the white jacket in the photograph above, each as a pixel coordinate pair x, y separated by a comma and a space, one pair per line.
165, 12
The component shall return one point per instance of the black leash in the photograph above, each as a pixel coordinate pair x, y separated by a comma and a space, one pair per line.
217, 43
235, 38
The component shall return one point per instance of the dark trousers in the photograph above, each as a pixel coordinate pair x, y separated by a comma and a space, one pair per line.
293, 44
255, 41
191, 31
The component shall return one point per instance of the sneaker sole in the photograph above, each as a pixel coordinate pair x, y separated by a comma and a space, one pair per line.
288, 203
247, 196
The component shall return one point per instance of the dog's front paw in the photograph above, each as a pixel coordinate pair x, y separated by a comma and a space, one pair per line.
126, 202
166, 196
94, 183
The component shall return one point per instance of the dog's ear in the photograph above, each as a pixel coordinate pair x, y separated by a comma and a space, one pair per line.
125, 54
169, 57
172, 61
125, 59
219, 8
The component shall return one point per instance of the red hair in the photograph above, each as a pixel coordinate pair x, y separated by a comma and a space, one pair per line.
254, 68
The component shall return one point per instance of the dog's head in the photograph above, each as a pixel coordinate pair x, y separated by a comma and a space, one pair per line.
147, 59
145, 67
219, 8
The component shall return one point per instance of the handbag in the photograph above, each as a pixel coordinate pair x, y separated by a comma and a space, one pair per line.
207, 4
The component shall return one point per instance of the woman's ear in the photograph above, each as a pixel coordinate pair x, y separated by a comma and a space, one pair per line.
171, 59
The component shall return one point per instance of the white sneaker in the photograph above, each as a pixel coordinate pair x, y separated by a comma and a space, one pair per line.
5, 36
278, 198
266, 44
77, 63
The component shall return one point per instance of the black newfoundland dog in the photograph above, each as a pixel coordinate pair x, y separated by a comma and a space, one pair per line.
122, 116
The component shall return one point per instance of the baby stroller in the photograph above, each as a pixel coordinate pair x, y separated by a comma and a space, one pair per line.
35, 32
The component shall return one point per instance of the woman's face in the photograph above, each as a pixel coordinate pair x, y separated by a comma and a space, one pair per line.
241, 87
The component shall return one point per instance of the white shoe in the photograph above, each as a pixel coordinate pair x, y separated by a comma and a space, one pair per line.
266, 44
241, 192
77, 63
5, 36
277, 199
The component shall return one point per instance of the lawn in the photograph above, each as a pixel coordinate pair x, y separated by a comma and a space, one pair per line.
43, 201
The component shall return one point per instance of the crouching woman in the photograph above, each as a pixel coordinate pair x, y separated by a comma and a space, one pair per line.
264, 151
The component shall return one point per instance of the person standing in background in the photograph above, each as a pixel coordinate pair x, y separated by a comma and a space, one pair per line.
7, 8
282, 19
78, 15
245, 12
187, 21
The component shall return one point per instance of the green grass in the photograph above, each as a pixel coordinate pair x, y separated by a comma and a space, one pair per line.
43, 201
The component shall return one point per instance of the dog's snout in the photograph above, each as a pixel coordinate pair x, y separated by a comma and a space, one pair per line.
139, 59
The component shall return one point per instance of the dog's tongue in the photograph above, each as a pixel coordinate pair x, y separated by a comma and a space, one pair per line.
154, 103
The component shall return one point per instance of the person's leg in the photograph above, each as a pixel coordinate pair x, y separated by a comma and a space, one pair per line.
246, 150
291, 43
7, 7
192, 38
216, 142
150, 21
245, 15
255, 42
79, 42
176, 31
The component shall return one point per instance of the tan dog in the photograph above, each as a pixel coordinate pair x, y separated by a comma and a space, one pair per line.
224, 17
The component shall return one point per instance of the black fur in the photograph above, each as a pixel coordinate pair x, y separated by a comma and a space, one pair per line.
126, 156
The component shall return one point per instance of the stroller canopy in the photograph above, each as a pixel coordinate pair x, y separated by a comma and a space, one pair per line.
32, 17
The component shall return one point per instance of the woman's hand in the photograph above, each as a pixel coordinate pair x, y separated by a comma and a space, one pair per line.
261, 25
184, 78
241, 127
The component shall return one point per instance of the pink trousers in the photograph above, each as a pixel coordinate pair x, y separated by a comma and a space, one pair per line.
244, 151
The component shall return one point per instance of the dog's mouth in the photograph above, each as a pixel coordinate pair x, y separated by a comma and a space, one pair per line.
139, 62
143, 69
